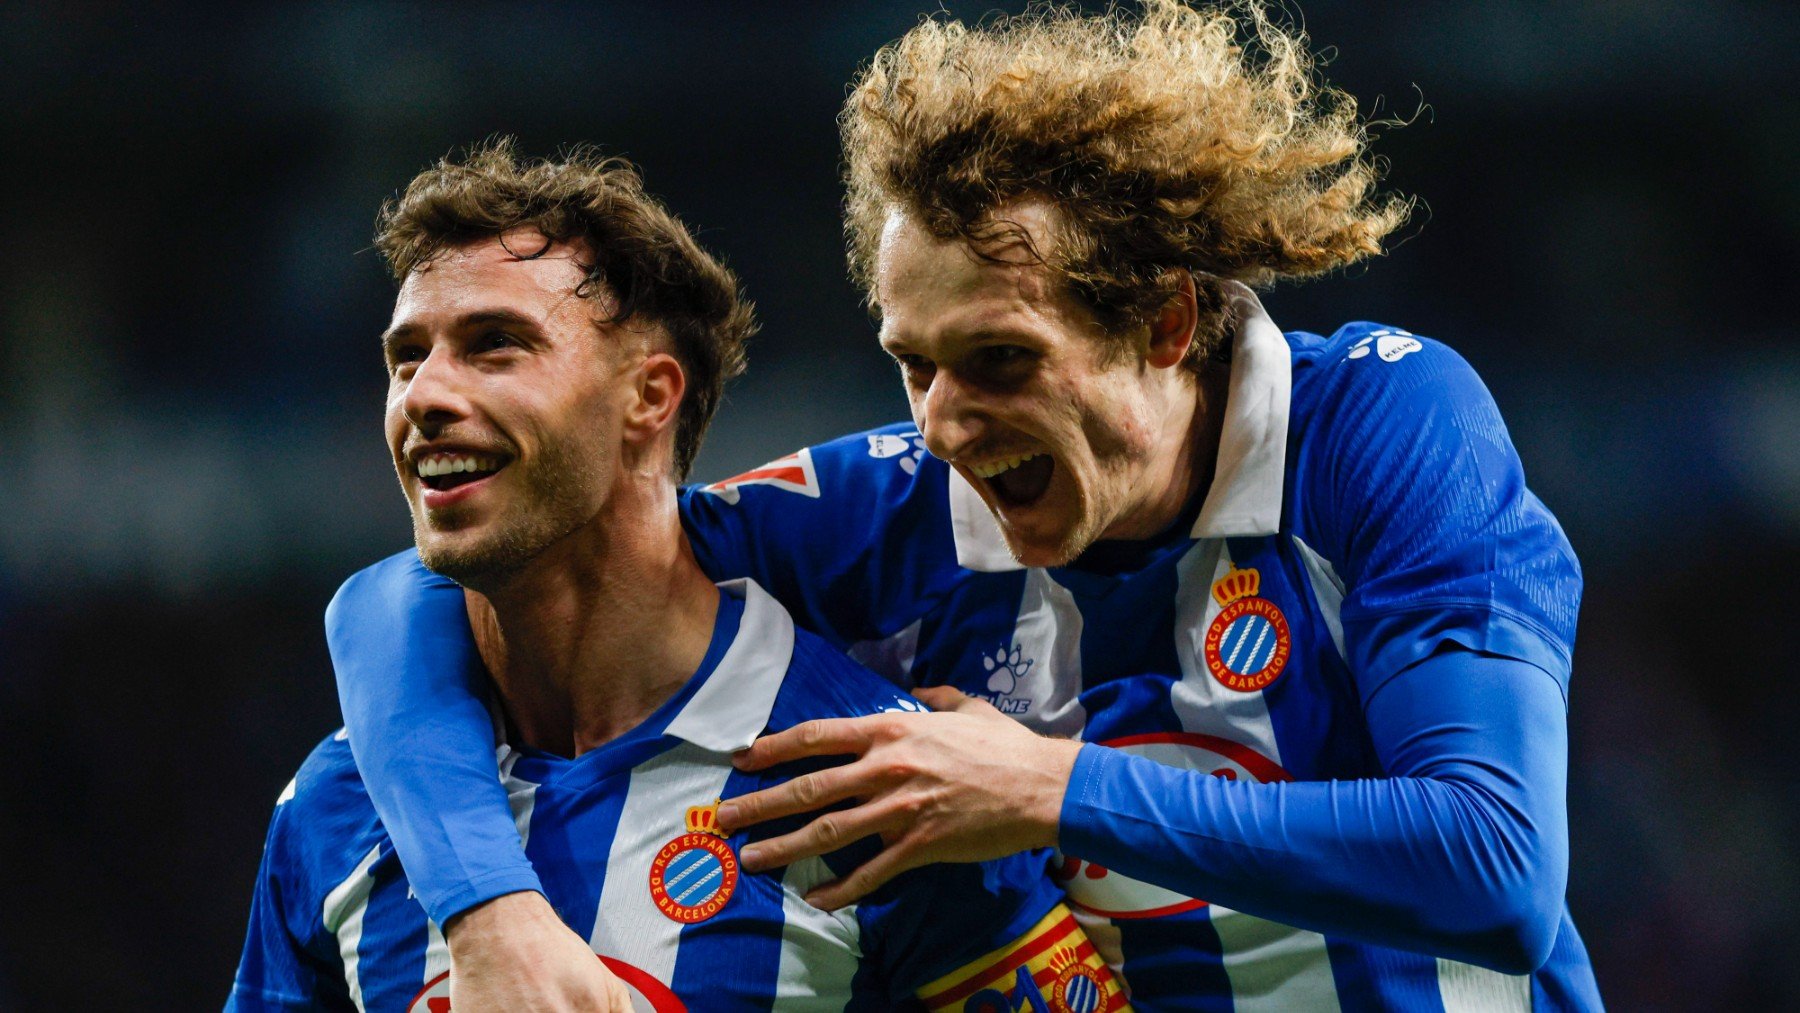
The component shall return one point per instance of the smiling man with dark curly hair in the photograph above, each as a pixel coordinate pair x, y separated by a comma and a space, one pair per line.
1263, 632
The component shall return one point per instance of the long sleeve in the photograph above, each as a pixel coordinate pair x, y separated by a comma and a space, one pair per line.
411, 686
1462, 851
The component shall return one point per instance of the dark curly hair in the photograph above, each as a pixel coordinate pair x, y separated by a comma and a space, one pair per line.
644, 258
1181, 138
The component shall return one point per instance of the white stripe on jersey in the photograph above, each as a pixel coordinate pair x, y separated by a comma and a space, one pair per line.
1203, 704
628, 924
731, 708
820, 950
1465, 988
1328, 592
1270, 966
343, 912
1273, 967
1048, 631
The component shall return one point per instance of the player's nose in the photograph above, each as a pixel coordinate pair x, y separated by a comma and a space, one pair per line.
950, 416
436, 393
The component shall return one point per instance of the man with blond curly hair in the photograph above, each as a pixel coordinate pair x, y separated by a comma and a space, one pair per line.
1263, 632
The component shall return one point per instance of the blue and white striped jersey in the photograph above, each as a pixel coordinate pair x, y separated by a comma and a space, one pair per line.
1368, 508
625, 843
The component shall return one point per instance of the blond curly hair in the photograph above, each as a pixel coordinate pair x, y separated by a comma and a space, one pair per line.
1179, 138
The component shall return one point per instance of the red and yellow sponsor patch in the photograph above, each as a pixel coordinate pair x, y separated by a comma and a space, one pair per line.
1053, 960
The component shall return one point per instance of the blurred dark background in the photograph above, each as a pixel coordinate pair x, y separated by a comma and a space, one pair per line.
190, 390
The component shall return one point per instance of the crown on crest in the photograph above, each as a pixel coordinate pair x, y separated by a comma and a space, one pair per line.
1063, 959
704, 819
1236, 584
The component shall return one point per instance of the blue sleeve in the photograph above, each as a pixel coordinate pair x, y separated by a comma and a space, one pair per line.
1461, 852
276, 972
412, 689
852, 537
1408, 484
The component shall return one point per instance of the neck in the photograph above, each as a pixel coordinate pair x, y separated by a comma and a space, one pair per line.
601, 628
1181, 466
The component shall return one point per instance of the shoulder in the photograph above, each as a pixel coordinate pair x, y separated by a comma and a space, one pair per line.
1367, 367
888, 463
823, 682
324, 822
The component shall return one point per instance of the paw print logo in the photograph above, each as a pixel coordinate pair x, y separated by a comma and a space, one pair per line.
908, 447
1391, 346
1005, 668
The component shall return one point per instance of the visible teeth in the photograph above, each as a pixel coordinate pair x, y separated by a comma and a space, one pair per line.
1001, 466
451, 464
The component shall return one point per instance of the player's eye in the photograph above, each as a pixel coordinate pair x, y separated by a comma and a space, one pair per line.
1004, 363
916, 369
404, 355
495, 340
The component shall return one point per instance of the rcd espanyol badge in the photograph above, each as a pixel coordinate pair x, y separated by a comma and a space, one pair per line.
693, 875
1248, 643
1078, 988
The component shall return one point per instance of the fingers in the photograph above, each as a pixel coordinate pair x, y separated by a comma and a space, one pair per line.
803, 794
827, 833
824, 737
866, 878
949, 698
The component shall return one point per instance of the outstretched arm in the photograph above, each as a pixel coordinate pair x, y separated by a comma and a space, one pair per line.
412, 689
1462, 851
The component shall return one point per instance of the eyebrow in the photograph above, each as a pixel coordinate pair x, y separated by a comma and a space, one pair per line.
481, 318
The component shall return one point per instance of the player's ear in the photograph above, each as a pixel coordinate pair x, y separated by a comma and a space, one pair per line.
660, 385
1172, 325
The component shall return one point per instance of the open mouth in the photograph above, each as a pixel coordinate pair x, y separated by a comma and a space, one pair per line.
1018, 481
443, 472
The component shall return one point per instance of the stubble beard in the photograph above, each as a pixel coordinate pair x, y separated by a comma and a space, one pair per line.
556, 499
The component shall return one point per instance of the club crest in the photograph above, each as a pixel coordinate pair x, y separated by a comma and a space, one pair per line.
1248, 643
1078, 988
694, 875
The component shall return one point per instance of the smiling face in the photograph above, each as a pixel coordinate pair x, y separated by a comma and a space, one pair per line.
1069, 434
505, 404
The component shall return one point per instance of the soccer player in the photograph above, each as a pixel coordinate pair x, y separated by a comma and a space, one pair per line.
1295, 632
557, 346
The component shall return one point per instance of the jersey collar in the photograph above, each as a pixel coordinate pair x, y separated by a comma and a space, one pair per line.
1245, 497
732, 707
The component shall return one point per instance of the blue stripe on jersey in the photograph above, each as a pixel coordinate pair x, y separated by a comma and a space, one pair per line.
1128, 659
984, 618
1373, 979
1177, 959
570, 843
751, 922
394, 926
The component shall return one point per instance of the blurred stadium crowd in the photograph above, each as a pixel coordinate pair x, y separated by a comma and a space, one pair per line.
190, 391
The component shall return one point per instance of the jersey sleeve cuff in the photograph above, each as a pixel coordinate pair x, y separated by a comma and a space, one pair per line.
1087, 826
1382, 646
444, 905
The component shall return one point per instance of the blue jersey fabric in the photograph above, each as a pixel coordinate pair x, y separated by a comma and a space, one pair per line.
1367, 593
334, 926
